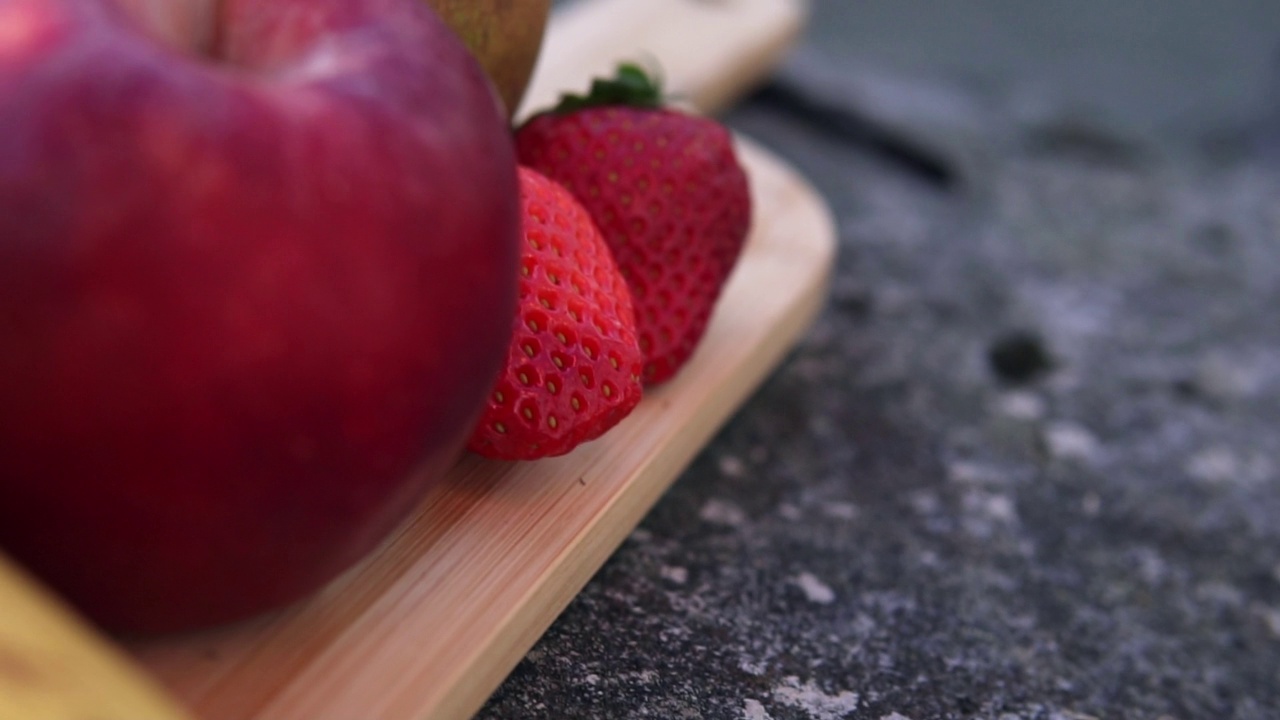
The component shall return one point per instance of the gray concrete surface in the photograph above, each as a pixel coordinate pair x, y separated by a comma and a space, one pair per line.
1027, 464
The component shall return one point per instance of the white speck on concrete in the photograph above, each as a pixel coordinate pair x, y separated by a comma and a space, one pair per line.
644, 677
815, 591
966, 472
751, 667
1022, 405
790, 512
925, 502
722, 512
1220, 593
1219, 465
1215, 466
731, 466
1226, 379
863, 625
677, 575
592, 679
1151, 567
840, 510
1270, 617
812, 700
753, 710
1000, 507
1069, 441
987, 512
1091, 504
894, 716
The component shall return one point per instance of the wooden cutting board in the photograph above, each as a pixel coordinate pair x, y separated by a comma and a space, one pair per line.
430, 624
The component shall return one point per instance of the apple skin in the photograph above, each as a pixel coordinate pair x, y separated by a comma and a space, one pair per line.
505, 35
249, 306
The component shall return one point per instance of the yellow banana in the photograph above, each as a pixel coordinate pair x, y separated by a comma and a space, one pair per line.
54, 666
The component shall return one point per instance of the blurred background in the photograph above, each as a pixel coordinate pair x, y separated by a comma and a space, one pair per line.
1172, 70
1175, 68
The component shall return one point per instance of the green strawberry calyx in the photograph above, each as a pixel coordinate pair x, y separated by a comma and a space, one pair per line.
632, 87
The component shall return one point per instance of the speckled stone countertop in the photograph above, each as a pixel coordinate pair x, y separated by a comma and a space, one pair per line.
1027, 463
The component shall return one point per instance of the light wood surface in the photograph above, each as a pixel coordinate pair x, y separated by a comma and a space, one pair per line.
431, 624
708, 52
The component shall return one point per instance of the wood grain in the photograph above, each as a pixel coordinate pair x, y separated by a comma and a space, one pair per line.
430, 624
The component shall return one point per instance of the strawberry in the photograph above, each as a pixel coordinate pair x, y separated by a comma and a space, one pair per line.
573, 368
668, 194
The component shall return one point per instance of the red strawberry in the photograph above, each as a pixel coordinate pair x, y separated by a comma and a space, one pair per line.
573, 369
668, 194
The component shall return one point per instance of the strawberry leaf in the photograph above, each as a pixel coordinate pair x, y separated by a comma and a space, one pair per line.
632, 87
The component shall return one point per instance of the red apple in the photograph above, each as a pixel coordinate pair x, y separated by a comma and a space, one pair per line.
255, 281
